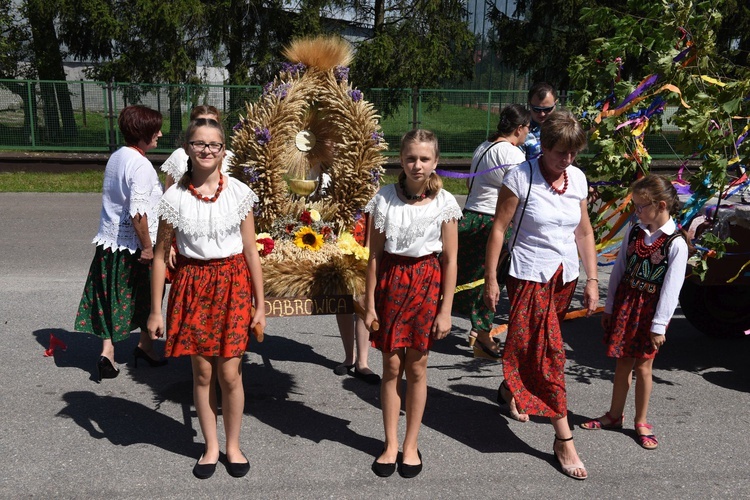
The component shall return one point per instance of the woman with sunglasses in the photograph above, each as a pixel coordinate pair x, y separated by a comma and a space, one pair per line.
542, 102
546, 200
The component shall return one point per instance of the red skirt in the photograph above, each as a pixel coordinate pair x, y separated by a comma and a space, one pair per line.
629, 334
208, 312
406, 301
534, 356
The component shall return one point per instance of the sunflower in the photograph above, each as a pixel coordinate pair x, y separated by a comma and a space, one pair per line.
309, 239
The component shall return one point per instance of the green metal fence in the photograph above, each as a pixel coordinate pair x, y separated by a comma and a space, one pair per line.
81, 116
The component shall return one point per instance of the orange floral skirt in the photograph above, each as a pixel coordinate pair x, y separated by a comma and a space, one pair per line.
208, 312
406, 300
534, 355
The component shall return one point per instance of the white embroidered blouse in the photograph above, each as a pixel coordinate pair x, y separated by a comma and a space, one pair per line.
131, 187
176, 164
546, 237
208, 230
412, 230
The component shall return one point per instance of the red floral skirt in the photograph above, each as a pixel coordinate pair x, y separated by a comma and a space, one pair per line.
209, 307
629, 334
534, 356
406, 301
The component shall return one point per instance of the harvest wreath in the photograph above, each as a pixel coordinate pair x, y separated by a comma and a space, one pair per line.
311, 149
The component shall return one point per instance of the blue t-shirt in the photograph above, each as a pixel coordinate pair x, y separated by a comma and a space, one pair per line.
532, 146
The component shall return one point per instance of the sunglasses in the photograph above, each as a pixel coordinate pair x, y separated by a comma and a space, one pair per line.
539, 109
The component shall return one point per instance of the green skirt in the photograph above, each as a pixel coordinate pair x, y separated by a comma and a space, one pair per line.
117, 297
473, 232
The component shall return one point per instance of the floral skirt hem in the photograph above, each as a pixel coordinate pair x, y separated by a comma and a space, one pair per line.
407, 297
209, 308
116, 298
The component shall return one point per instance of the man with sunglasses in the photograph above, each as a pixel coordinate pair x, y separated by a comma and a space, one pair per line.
542, 102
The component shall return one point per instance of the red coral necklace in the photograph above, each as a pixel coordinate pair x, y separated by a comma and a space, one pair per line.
550, 182
644, 250
201, 197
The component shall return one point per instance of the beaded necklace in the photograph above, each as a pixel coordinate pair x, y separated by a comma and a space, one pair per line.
201, 197
644, 250
402, 185
550, 182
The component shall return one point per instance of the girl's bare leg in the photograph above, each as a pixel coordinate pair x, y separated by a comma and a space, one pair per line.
346, 330
362, 337
232, 404
620, 388
390, 397
416, 398
204, 396
643, 385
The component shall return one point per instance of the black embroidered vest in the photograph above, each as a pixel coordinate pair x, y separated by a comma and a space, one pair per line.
647, 273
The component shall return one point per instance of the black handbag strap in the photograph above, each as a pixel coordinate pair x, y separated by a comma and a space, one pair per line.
471, 184
526, 202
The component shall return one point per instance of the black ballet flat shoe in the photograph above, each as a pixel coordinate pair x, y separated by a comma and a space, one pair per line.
368, 378
385, 470
204, 471
409, 471
342, 369
106, 369
238, 469
139, 353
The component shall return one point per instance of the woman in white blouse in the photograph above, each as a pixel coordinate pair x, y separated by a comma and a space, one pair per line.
117, 298
554, 231
492, 160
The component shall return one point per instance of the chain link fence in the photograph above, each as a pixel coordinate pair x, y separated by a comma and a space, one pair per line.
81, 116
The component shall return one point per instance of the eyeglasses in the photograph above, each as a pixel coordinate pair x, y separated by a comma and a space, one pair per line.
212, 147
540, 109
639, 208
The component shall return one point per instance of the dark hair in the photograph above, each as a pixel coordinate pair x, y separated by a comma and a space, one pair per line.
205, 109
562, 129
540, 90
138, 123
656, 188
192, 126
512, 116
434, 183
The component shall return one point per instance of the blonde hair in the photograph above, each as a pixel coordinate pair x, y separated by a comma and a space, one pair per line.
656, 188
434, 182
204, 109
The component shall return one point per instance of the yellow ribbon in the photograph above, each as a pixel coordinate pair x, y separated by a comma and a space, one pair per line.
469, 286
713, 80
739, 272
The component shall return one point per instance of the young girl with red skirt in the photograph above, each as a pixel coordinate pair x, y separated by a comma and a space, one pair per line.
644, 289
411, 277
218, 278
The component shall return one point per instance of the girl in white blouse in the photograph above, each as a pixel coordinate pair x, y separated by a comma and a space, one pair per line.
218, 277
413, 248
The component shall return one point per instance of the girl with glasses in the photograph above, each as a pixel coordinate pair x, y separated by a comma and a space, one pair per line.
644, 289
218, 278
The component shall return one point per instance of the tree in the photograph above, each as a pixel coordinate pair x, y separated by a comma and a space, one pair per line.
542, 36
415, 44
684, 66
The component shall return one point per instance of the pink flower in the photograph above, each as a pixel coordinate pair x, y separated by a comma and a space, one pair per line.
305, 218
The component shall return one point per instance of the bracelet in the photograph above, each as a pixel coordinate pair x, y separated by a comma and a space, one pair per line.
592, 279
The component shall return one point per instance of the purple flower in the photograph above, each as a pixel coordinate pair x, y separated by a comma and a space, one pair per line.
341, 73
377, 137
240, 124
267, 88
375, 176
355, 94
250, 174
262, 135
256, 210
293, 68
282, 90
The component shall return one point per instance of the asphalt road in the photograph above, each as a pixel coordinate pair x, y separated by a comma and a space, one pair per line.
311, 434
